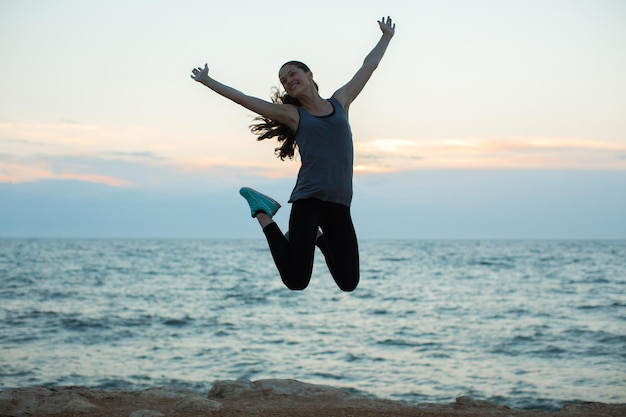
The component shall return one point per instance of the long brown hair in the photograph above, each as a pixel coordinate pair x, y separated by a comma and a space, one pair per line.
268, 128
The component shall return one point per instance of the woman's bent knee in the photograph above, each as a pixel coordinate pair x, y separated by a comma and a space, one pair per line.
296, 287
348, 286
296, 284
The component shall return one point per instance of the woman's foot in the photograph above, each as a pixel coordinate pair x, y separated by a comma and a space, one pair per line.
259, 203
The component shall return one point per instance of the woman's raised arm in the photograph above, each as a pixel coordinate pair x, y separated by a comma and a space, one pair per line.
351, 90
282, 113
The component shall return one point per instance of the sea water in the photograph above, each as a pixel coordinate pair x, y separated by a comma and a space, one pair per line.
531, 324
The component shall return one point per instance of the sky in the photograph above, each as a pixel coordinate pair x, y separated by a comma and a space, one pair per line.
486, 119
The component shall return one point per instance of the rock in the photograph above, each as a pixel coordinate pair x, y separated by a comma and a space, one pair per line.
196, 403
270, 397
469, 402
26, 401
166, 393
230, 389
271, 388
584, 408
146, 413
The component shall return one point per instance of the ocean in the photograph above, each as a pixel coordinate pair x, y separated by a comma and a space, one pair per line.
528, 324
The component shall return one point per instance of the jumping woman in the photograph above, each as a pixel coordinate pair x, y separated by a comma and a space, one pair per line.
319, 129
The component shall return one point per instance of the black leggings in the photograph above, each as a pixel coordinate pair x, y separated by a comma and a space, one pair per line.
294, 257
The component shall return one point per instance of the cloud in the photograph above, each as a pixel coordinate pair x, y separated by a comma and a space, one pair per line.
273, 169
141, 172
25, 171
21, 142
476, 153
147, 158
129, 155
137, 154
98, 179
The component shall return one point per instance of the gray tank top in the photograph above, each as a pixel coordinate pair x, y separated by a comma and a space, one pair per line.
326, 153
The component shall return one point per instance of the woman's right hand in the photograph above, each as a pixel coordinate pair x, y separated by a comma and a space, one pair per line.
200, 74
387, 26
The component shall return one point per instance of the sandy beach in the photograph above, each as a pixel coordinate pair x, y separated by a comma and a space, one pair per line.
277, 398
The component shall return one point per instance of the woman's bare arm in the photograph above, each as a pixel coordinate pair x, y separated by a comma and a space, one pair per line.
351, 90
282, 113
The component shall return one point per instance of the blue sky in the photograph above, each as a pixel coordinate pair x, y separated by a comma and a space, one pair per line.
486, 119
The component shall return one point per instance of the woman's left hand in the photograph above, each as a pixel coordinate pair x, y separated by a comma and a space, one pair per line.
200, 74
387, 26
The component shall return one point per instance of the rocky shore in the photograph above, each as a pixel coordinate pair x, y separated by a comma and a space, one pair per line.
276, 398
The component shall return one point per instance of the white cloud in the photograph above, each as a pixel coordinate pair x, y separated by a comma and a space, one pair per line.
476, 153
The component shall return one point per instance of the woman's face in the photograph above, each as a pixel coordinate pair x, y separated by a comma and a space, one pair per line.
294, 79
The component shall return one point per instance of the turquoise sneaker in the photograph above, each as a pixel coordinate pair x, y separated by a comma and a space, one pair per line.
259, 203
